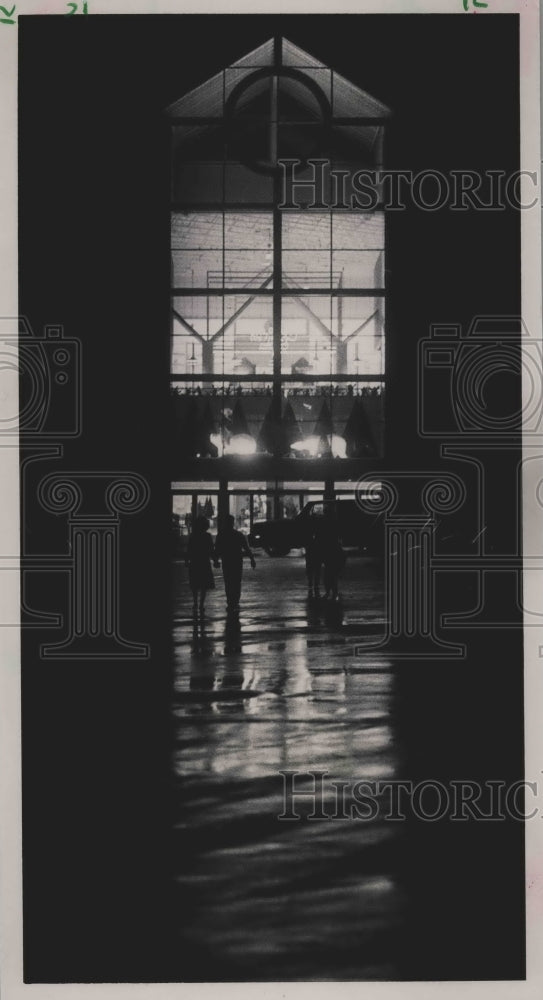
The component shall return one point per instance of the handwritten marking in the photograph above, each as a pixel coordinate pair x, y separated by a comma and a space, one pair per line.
7, 19
75, 8
475, 3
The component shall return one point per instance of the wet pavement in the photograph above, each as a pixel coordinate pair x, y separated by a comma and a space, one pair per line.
289, 688
284, 690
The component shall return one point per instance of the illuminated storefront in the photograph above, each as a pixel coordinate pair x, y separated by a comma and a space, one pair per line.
278, 282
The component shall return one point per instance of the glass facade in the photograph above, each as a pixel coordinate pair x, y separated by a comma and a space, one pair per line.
278, 315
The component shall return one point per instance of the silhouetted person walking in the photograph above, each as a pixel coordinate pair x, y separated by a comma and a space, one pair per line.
230, 547
330, 552
313, 561
198, 559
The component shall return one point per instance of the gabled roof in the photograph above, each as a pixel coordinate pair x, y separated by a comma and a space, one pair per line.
347, 100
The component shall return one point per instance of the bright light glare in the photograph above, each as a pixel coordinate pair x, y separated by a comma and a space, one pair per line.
239, 444
339, 446
311, 446
216, 440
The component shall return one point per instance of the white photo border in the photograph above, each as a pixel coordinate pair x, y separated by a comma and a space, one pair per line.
11, 957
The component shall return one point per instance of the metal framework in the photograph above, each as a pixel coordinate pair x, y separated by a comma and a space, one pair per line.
274, 288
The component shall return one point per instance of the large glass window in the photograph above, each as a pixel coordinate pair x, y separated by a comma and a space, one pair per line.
278, 316
227, 335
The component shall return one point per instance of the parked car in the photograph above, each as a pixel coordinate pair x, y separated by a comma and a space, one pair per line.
357, 529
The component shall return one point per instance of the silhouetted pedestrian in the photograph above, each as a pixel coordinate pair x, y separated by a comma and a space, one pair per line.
198, 559
230, 547
330, 551
313, 560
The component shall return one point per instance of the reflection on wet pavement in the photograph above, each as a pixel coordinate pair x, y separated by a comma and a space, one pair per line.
294, 686
282, 690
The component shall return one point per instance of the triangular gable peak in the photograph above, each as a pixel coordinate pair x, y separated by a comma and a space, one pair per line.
346, 99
